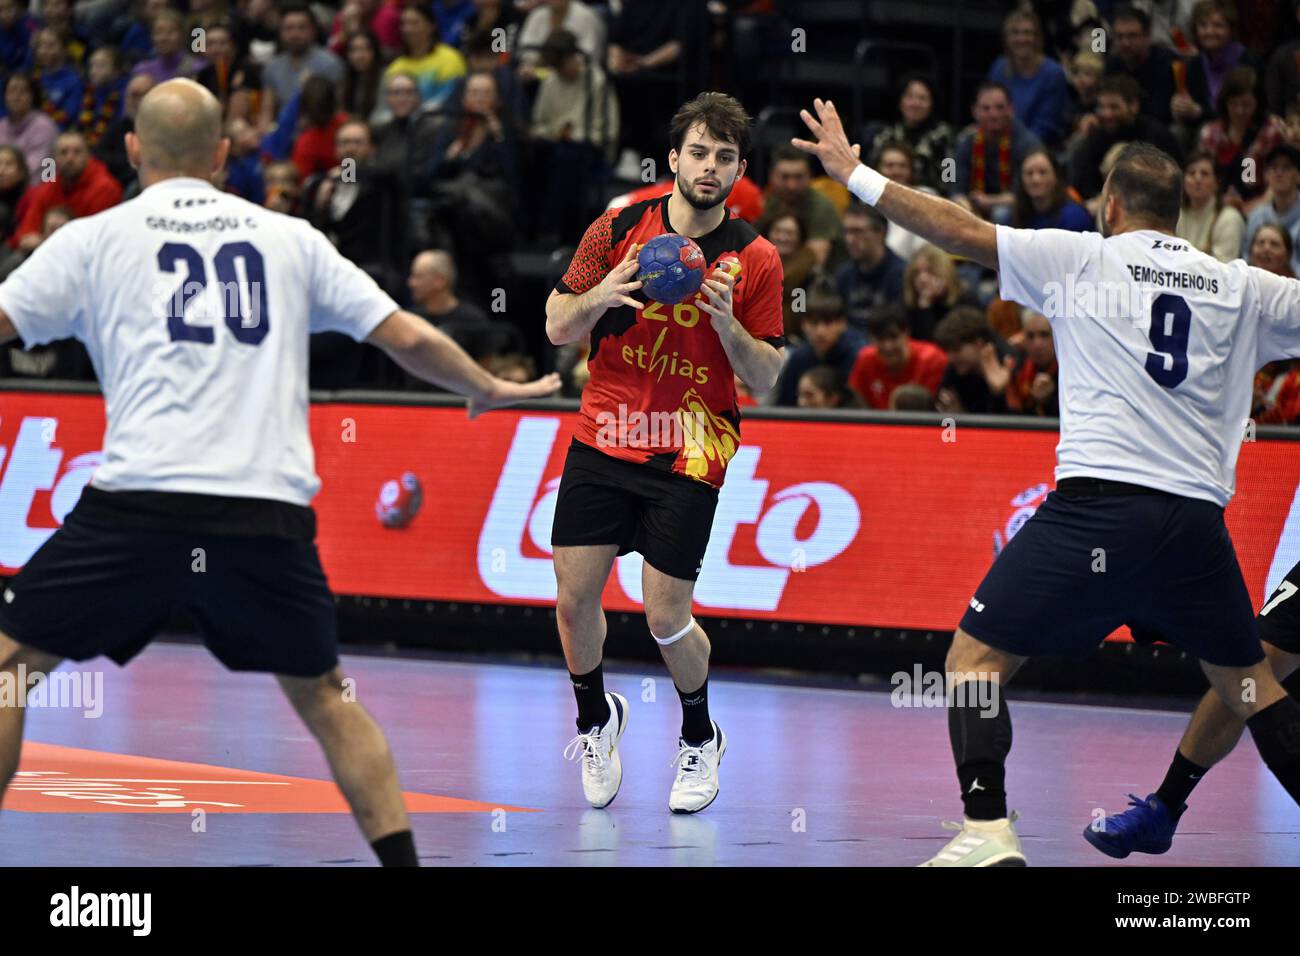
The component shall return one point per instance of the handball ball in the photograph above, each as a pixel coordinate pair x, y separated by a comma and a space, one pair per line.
399, 501
671, 268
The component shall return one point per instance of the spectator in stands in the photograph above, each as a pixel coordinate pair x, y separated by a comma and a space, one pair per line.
172, 57
435, 65
1281, 77
60, 83
490, 15
257, 30
1215, 24
1272, 248
873, 276
478, 138
361, 206
931, 289
363, 73
824, 387
789, 189
432, 281
283, 188
1035, 375
16, 29
513, 367
1119, 121
243, 171
82, 183
481, 56
989, 153
101, 104
380, 19
1277, 394
137, 36
27, 127
1037, 83
1206, 221
896, 163
300, 58
929, 137
203, 15
56, 15
13, 183
574, 102
453, 15
911, 397
1241, 137
894, 359
233, 79
111, 150
314, 149
788, 234
1086, 72
54, 218
1151, 65
979, 364
827, 340
1282, 175
1042, 200
551, 15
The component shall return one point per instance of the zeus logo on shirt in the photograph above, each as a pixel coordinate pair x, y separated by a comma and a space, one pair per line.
661, 364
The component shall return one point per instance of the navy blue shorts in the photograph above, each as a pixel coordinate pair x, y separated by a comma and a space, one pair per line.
1279, 618
262, 603
1084, 565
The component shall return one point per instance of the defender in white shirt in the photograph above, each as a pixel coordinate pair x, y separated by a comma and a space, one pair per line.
195, 307
1158, 345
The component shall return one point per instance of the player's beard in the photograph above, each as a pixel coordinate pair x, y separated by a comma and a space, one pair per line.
704, 203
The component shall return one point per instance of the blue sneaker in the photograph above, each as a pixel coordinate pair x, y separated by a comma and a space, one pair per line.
1147, 827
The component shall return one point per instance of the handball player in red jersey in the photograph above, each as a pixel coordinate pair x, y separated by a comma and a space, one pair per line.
658, 424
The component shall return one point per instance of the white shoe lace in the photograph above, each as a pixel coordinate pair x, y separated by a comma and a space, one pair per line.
685, 765
586, 746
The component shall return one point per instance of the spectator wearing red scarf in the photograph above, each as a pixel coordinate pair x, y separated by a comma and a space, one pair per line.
989, 154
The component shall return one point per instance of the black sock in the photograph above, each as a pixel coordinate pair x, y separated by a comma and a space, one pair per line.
589, 689
697, 728
979, 726
1276, 730
1180, 781
396, 849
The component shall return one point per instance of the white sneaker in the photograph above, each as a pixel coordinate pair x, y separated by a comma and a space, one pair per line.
602, 770
696, 785
981, 843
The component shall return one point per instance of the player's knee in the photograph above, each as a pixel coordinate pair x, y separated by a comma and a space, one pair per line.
669, 625
964, 654
575, 611
33, 662
314, 696
1284, 663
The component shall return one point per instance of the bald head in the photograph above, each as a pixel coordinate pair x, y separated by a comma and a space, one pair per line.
178, 132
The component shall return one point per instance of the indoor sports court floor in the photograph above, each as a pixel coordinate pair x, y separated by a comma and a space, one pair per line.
811, 776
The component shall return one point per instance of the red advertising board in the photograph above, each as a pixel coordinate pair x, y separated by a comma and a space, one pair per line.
877, 525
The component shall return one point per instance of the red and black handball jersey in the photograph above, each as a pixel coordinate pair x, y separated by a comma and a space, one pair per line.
661, 390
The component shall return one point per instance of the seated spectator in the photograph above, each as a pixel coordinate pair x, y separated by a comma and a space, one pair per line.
243, 172
989, 153
137, 35
894, 359
789, 189
910, 397
172, 57
363, 72
873, 276
823, 387
54, 218
300, 58
572, 106
482, 56
1214, 23
111, 150
105, 95
380, 18
314, 149
283, 188
1042, 201
1241, 137
979, 364
1151, 65
60, 83
16, 29
545, 18
234, 79
432, 281
513, 367
435, 65
81, 183
57, 15
13, 183
798, 264
929, 137
828, 340
1206, 221
1273, 249
932, 289
490, 15
398, 140
1037, 83
27, 127
1282, 176
1034, 377
477, 138
1118, 121
896, 163
1085, 74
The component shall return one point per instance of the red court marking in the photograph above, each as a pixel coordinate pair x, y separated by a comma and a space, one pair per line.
57, 779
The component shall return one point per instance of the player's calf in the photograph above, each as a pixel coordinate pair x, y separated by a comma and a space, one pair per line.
29, 663
1273, 718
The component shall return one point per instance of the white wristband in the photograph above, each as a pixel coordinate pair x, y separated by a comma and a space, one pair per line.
867, 184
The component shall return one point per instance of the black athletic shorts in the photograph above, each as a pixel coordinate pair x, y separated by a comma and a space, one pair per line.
1097, 555
1279, 618
113, 575
663, 516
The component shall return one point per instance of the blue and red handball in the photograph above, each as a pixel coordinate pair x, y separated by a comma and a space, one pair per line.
671, 268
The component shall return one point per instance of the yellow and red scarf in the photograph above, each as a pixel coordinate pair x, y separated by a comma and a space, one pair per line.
978, 162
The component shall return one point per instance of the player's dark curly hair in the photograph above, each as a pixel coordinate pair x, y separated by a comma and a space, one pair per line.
722, 116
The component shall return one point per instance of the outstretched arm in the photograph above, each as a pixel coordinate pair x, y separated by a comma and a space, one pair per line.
936, 220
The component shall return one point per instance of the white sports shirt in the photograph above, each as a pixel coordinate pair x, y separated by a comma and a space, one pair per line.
1158, 345
195, 306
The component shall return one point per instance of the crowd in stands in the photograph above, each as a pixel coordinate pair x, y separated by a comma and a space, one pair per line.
430, 138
